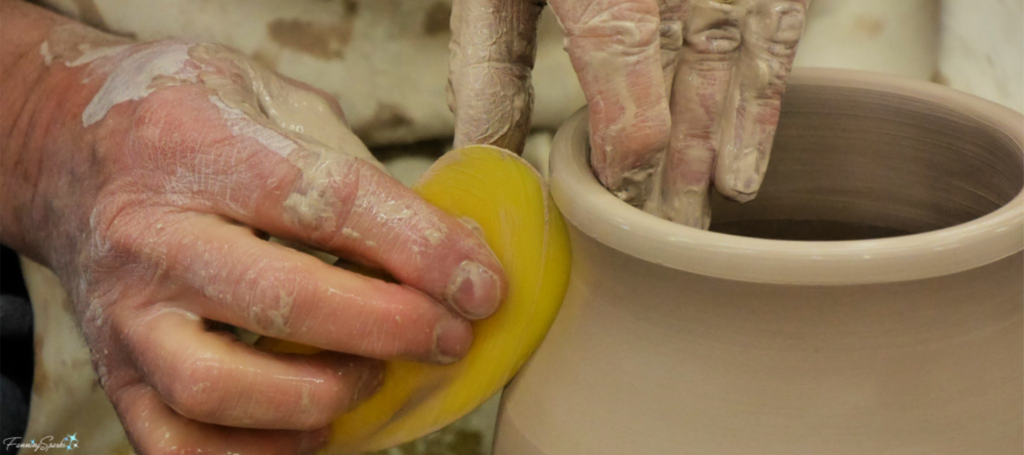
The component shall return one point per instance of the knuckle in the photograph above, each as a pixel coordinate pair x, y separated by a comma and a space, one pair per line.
713, 29
324, 195
627, 26
671, 35
270, 306
116, 235
777, 28
193, 393
772, 76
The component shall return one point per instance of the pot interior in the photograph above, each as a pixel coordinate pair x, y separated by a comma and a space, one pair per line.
855, 164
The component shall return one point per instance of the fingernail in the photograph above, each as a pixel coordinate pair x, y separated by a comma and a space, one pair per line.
746, 176
452, 339
315, 440
473, 290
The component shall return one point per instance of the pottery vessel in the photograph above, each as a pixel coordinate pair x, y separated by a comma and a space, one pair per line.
890, 321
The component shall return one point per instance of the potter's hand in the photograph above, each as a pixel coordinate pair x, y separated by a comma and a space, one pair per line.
725, 61
157, 165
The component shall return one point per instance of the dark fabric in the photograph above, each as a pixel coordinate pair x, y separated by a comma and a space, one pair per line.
16, 355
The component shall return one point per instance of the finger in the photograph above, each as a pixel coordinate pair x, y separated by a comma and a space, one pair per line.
698, 97
493, 46
772, 29
154, 428
671, 36
211, 377
276, 291
614, 46
353, 210
252, 171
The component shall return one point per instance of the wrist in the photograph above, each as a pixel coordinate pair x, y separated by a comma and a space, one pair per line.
25, 72
42, 147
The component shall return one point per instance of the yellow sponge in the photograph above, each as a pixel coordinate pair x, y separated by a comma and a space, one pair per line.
509, 200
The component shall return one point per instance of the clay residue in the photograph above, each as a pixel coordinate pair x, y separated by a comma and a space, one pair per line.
434, 236
491, 92
437, 19
76, 44
727, 93
307, 118
132, 78
473, 226
297, 124
91, 54
44, 51
869, 26
325, 41
242, 125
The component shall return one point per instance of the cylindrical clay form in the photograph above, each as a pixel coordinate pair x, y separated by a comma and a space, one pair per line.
679, 341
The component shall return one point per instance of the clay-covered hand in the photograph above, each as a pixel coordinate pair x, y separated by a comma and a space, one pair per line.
163, 165
682, 93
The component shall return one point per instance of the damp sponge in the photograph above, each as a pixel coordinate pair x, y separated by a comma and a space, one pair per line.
508, 199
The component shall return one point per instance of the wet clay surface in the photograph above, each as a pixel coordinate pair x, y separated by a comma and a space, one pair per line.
703, 343
805, 230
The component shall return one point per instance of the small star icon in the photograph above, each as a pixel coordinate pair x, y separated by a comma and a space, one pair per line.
72, 442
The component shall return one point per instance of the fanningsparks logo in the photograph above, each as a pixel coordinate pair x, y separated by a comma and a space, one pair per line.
70, 442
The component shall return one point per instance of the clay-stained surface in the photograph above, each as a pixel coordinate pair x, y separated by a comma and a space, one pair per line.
359, 50
385, 60
676, 340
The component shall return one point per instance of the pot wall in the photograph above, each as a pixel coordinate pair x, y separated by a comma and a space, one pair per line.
673, 340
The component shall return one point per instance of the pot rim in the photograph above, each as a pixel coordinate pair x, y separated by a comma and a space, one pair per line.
599, 214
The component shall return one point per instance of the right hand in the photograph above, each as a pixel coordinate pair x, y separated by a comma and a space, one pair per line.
162, 167
682, 94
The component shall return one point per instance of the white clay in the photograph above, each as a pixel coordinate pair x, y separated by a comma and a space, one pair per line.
243, 125
132, 78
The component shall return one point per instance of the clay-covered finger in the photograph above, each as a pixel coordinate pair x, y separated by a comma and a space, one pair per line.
615, 48
353, 210
292, 108
671, 36
493, 46
255, 172
700, 89
211, 377
771, 32
276, 291
154, 428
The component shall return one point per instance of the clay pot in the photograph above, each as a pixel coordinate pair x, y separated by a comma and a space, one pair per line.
679, 341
